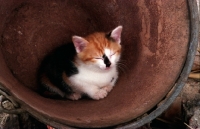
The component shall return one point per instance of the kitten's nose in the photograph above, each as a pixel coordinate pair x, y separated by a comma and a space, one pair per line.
108, 64
106, 61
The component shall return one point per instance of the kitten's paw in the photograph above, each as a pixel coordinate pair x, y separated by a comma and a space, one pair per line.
100, 94
108, 88
75, 96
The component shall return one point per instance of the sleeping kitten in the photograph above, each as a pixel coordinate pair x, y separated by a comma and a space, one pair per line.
87, 66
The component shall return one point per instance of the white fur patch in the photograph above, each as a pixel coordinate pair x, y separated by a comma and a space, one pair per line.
107, 52
91, 82
96, 80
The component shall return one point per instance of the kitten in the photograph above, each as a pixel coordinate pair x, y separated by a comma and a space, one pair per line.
87, 66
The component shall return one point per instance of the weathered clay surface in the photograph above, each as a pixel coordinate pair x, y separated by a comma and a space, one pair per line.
154, 39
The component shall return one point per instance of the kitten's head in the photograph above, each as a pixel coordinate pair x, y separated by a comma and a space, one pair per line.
99, 50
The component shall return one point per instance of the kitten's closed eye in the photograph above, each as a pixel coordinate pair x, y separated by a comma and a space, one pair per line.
113, 54
98, 58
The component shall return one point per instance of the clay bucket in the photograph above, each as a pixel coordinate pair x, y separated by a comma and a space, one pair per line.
159, 40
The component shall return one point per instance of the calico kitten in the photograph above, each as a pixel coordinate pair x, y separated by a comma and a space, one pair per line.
87, 66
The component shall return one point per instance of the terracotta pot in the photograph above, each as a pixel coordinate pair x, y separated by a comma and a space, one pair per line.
156, 36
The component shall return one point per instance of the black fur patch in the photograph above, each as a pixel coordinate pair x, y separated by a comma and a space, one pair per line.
106, 61
112, 79
57, 62
108, 36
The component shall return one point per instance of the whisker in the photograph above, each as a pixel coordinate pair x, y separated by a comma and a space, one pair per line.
122, 63
122, 70
122, 67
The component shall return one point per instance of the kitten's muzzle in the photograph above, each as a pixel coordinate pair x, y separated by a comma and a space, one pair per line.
106, 61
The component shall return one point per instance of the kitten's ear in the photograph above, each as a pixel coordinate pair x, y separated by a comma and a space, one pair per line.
116, 34
79, 43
